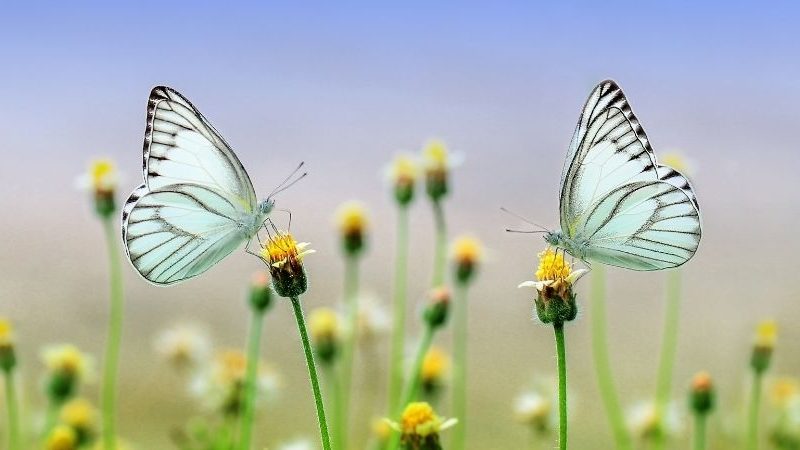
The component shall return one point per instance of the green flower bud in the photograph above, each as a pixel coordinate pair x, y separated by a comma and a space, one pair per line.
701, 395
260, 293
436, 313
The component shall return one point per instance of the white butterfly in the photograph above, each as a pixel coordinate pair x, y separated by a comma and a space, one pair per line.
618, 205
197, 203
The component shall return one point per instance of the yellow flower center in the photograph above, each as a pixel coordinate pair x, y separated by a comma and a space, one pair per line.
467, 250
404, 170
352, 218
552, 266
102, 173
62, 438
283, 249
434, 365
766, 334
436, 155
232, 365
418, 418
67, 359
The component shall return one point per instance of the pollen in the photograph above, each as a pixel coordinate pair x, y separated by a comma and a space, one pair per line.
283, 249
552, 266
417, 417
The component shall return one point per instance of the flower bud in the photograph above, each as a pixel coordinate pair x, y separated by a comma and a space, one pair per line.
701, 395
403, 176
352, 222
434, 369
437, 167
8, 358
555, 298
763, 345
436, 312
284, 256
260, 292
323, 324
466, 256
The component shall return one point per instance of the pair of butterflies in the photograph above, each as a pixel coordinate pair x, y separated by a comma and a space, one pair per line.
197, 204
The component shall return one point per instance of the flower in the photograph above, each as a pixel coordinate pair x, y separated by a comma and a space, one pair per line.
678, 161
62, 437
185, 346
323, 324
67, 367
351, 219
420, 427
533, 409
434, 368
284, 257
701, 394
221, 385
381, 429
763, 345
8, 357
403, 174
435, 314
437, 166
80, 415
645, 424
555, 300
467, 253
784, 433
785, 391
101, 179
260, 292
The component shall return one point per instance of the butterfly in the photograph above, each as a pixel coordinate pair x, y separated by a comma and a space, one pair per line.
197, 203
618, 205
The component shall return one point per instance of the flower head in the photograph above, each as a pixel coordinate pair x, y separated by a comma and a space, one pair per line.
185, 346
535, 410
323, 324
434, 369
221, 385
381, 429
646, 424
701, 393
284, 257
467, 254
101, 179
351, 219
437, 311
62, 437
8, 357
437, 167
403, 174
67, 367
80, 415
784, 391
420, 427
763, 345
555, 299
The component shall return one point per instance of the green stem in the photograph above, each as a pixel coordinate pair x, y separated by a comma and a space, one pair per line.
669, 346
602, 364
699, 432
460, 314
399, 309
755, 402
412, 382
250, 383
12, 405
312, 374
51, 417
441, 244
562, 385
333, 385
113, 338
348, 354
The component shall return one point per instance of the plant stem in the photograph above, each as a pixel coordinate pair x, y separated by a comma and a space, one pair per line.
12, 406
412, 382
602, 364
699, 432
562, 385
348, 354
755, 402
460, 307
399, 309
51, 416
250, 383
669, 345
333, 385
312, 374
113, 338
441, 244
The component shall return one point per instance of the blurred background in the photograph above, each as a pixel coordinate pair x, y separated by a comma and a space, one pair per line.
344, 87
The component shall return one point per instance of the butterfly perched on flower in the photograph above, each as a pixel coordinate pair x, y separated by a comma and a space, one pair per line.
197, 203
618, 205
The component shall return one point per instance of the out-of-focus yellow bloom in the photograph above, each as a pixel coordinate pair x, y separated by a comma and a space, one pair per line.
184, 346
351, 218
434, 367
785, 391
678, 162
101, 176
404, 170
645, 424
766, 334
80, 415
381, 429
436, 156
6, 332
467, 254
62, 437
67, 359
221, 386
323, 324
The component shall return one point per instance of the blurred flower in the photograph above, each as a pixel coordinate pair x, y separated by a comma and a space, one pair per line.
645, 424
67, 367
7, 355
435, 314
533, 409
373, 319
221, 385
298, 444
351, 219
434, 369
80, 415
555, 299
701, 393
679, 162
323, 325
420, 427
784, 432
101, 179
467, 254
260, 292
785, 391
403, 174
62, 437
381, 430
185, 346
437, 164
763, 345
284, 257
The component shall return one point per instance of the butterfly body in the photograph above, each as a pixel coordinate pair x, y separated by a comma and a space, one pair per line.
618, 205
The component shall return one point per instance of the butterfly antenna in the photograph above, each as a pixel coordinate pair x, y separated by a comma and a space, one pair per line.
512, 230
520, 217
286, 181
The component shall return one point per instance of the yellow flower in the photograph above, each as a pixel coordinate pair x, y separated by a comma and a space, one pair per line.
404, 170
323, 323
766, 334
467, 253
434, 367
67, 359
81, 415
6, 332
381, 429
552, 266
184, 346
283, 251
62, 438
436, 156
785, 391
351, 218
8, 358
555, 299
221, 386
678, 162
102, 176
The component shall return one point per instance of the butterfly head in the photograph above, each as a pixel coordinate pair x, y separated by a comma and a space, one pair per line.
266, 206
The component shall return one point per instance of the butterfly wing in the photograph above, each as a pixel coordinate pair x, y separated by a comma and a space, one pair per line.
178, 231
185, 217
628, 210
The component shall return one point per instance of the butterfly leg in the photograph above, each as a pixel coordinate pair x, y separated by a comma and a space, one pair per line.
247, 247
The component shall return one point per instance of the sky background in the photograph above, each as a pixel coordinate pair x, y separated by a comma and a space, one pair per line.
346, 86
